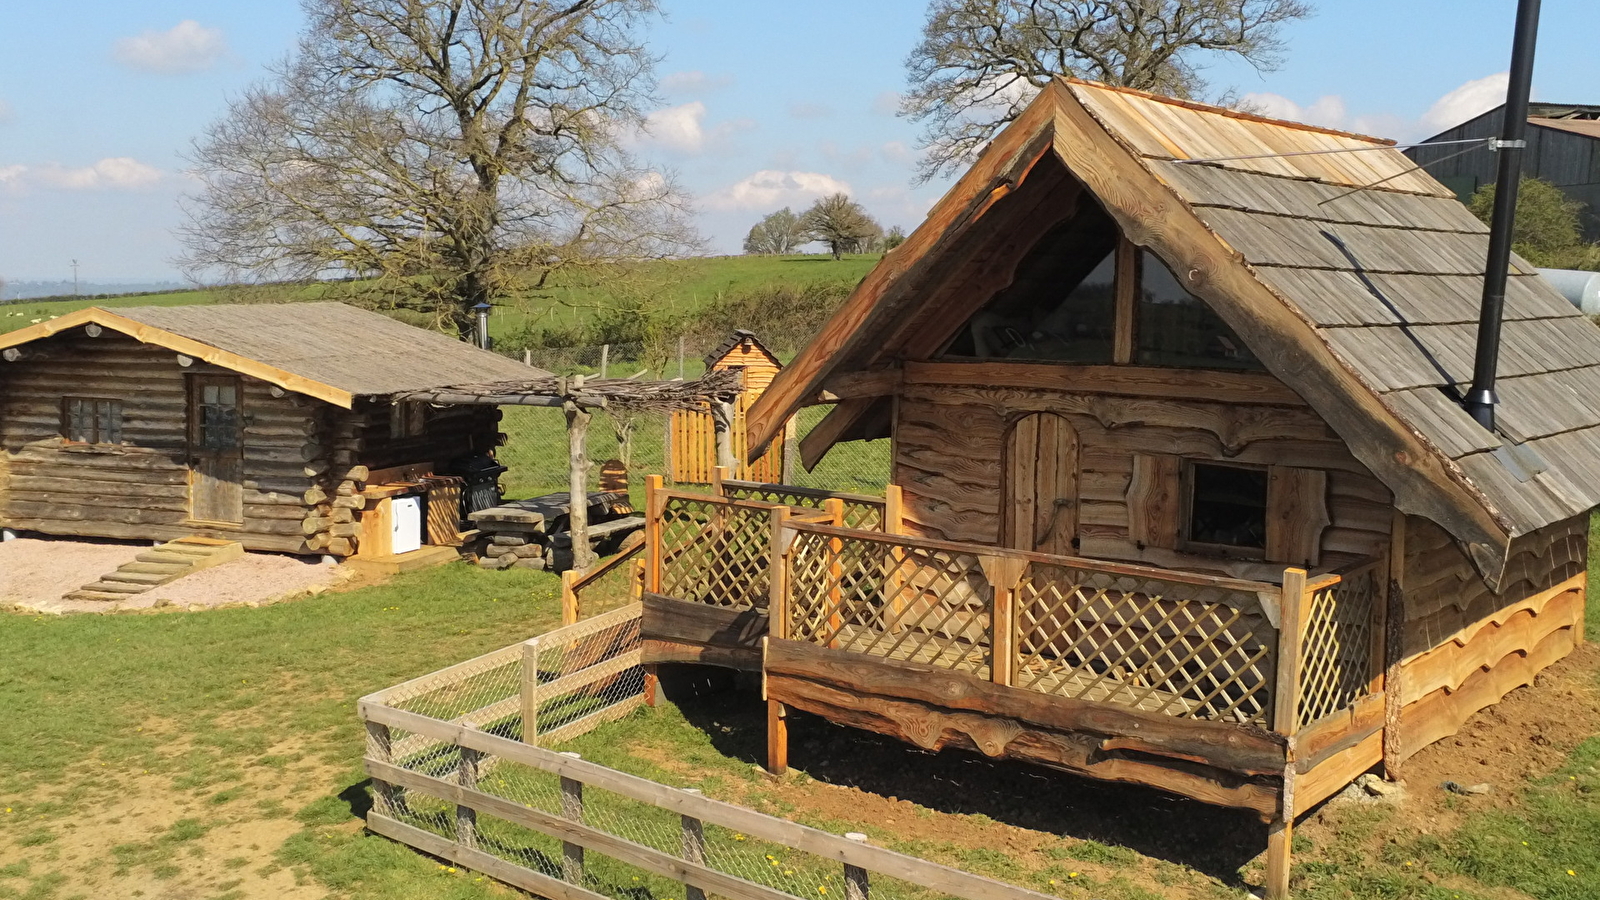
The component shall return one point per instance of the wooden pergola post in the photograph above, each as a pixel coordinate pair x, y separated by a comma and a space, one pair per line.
722, 423
578, 484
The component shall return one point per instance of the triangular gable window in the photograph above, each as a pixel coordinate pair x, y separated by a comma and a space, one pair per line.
1062, 307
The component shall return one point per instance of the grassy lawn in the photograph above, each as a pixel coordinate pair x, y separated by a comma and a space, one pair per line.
217, 756
672, 286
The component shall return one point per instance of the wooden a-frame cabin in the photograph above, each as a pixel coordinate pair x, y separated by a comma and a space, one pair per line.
1182, 491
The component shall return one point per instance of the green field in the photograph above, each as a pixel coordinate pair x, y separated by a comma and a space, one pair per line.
669, 287
216, 755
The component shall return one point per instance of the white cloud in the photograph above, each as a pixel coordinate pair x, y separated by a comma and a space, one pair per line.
1471, 99
694, 82
809, 111
886, 103
186, 47
896, 153
771, 189
119, 173
683, 129
1327, 111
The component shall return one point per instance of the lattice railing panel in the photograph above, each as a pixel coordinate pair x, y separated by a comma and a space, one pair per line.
1336, 656
860, 513
715, 551
613, 585
865, 595
1189, 650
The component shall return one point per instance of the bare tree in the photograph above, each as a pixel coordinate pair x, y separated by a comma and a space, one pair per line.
840, 223
437, 152
981, 61
780, 232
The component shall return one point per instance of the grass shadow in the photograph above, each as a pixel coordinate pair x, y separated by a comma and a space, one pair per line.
1213, 840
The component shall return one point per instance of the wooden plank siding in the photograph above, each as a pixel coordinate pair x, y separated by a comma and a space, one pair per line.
949, 445
140, 488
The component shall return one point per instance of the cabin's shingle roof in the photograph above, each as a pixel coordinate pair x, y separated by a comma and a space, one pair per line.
354, 350
1391, 278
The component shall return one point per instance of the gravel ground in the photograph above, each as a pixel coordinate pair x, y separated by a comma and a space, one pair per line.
34, 574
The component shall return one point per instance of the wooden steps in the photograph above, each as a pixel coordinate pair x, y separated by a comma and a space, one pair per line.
157, 566
426, 557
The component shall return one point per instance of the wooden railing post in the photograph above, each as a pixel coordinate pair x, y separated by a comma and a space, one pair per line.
834, 507
720, 474
466, 816
569, 597
694, 849
778, 622
572, 811
1285, 721
1003, 573
1394, 618
380, 747
654, 504
530, 691
855, 877
894, 512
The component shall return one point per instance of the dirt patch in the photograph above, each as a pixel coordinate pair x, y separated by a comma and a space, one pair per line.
34, 574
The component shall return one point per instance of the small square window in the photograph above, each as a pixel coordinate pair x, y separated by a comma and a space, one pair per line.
1228, 506
408, 419
87, 420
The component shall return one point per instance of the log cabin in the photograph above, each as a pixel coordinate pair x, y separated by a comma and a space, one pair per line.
268, 424
1183, 493
692, 454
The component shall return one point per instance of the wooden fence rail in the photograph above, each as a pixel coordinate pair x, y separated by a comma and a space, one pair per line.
578, 836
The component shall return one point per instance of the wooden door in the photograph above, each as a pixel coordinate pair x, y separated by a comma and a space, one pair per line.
1040, 495
216, 450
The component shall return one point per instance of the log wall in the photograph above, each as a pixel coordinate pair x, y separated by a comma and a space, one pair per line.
949, 443
140, 488
1465, 646
450, 432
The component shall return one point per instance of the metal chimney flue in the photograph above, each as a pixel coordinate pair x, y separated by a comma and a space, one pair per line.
1480, 399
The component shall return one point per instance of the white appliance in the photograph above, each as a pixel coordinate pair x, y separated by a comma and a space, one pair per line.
407, 517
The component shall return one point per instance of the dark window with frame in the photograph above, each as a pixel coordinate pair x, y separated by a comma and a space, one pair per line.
1227, 506
91, 420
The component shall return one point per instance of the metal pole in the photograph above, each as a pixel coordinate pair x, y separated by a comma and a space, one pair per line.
1480, 399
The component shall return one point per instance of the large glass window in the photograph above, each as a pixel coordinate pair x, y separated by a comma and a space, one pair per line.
1176, 328
1062, 305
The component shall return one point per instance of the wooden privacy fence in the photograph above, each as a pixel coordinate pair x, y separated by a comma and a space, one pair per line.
1181, 644
568, 829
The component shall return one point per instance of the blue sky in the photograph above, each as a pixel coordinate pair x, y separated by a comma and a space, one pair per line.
764, 104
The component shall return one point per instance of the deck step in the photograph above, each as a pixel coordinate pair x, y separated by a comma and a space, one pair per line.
159, 565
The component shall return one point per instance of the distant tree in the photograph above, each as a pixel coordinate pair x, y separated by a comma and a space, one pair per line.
439, 152
894, 238
1547, 232
778, 233
840, 223
981, 61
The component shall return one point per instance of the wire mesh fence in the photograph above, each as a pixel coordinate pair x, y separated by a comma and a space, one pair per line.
465, 767
535, 451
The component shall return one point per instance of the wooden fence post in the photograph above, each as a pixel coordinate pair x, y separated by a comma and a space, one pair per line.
466, 816
569, 597
572, 810
694, 849
636, 585
778, 622
719, 474
380, 747
1285, 721
1394, 618
855, 877
530, 691
653, 508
